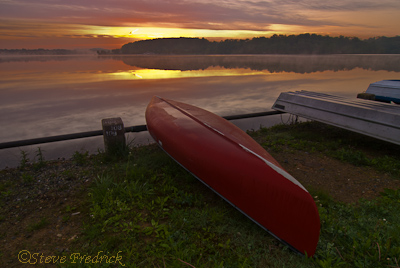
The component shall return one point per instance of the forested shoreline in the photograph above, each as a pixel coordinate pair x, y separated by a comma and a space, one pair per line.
51, 52
276, 44
309, 44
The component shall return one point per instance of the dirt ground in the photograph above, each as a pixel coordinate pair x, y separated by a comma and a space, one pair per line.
342, 181
43, 212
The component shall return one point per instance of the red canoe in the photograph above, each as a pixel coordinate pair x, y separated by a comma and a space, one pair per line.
238, 169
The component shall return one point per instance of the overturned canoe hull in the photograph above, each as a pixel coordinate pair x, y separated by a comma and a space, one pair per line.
237, 168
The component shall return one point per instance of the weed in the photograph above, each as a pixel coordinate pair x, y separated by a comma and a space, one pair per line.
68, 173
40, 159
6, 193
65, 218
116, 152
80, 158
354, 157
27, 178
43, 222
68, 208
39, 155
387, 164
4, 185
24, 159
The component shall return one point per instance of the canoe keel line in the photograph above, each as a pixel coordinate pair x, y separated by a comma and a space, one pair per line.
238, 169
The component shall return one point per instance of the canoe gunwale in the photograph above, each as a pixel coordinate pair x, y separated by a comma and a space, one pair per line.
271, 165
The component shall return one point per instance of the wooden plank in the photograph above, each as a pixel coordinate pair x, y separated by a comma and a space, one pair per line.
114, 134
375, 119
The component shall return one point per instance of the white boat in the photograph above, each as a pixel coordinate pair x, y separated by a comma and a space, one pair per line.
376, 119
385, 90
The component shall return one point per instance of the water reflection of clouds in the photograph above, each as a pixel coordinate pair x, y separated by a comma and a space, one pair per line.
30, 80
64, 109
61, 100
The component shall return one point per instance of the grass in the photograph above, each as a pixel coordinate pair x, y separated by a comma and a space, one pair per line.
362, 235
334, 142
155, 214
40, 159
80, 158
24, 159
43, 222
151, 212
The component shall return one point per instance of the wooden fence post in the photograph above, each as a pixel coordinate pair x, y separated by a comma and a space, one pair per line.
114, 135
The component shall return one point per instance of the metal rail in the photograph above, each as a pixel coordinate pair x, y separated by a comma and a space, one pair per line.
138, 128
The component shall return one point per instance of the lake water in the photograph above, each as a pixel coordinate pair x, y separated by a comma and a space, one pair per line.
43, 96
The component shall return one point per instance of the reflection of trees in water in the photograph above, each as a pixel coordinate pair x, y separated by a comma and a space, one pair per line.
40, 58
272, 63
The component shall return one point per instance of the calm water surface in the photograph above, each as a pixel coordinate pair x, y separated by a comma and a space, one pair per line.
43, 96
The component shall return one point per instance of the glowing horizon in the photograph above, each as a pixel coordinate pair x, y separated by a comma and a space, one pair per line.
110, 24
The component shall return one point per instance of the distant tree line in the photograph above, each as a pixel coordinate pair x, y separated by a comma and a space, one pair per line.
276, 44
42, 51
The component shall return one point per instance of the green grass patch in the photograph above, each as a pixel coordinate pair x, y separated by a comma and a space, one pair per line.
366, 234
40, 161
43, 222
147, 209
156, 213
340, 144
80, 158
27, 178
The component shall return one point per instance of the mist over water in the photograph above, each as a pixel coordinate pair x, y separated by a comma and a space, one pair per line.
44, 96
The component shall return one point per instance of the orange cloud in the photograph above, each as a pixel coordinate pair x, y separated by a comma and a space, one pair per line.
24, 21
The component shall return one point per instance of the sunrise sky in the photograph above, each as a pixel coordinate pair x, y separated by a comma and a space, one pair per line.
110, 24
